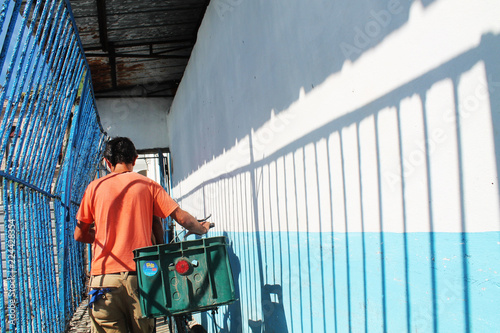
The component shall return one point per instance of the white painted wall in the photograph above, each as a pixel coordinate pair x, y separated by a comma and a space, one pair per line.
314, 120
263, 77
143, 120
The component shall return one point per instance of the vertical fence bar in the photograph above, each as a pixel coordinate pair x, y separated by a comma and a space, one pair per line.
30, 97
10, 31
53, 94
66, 200
11, 257
3, 310
48, 136
14, 58
20, 256
9, 113
36, 90
3, 15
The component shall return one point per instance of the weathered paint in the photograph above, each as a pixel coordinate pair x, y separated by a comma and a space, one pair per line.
161, 32
50, 142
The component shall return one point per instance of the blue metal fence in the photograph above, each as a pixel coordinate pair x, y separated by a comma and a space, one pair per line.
50, 144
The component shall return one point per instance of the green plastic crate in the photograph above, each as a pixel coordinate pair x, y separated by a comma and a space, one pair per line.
206, 285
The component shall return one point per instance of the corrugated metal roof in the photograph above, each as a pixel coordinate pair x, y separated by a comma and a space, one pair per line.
137, 48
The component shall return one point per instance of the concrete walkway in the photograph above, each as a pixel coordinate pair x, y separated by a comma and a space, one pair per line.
80, 323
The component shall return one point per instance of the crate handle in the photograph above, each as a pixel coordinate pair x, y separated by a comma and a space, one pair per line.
213, 293
166, 299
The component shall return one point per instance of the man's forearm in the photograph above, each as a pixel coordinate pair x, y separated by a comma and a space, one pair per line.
189, 222
84, 233
158, 230
194, 227
90, 237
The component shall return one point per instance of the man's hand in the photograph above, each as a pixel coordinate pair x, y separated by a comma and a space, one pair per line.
205, 225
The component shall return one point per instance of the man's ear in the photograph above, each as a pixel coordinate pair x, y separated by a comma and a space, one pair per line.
108, 163
135, 159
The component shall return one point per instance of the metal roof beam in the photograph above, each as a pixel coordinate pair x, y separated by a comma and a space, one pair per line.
130, 55
165, 85
171, 50
112, 64
146, 43
103, 24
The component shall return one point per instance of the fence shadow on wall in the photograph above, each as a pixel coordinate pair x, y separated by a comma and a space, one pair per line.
319, 38
355, 257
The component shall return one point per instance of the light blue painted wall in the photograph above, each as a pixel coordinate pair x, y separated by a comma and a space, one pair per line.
350, 152
355, 283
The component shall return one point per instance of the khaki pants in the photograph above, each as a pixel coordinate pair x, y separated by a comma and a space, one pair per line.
119, 309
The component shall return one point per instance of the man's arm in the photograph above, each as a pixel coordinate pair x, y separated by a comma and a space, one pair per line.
157, 231
189, 222
84, 232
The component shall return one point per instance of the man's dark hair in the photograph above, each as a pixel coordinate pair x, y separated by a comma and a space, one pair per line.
120, 150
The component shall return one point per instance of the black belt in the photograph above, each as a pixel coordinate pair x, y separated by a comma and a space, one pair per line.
129, 273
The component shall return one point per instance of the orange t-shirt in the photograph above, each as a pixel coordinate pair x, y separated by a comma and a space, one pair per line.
122, 206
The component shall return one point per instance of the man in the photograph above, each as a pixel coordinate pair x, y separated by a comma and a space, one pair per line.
116, 216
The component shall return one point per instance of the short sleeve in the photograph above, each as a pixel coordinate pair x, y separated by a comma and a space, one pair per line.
86, 212
163, 204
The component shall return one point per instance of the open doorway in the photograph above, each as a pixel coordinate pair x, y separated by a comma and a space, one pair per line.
155, 164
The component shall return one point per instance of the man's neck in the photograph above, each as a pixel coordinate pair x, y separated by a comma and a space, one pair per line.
122, 167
